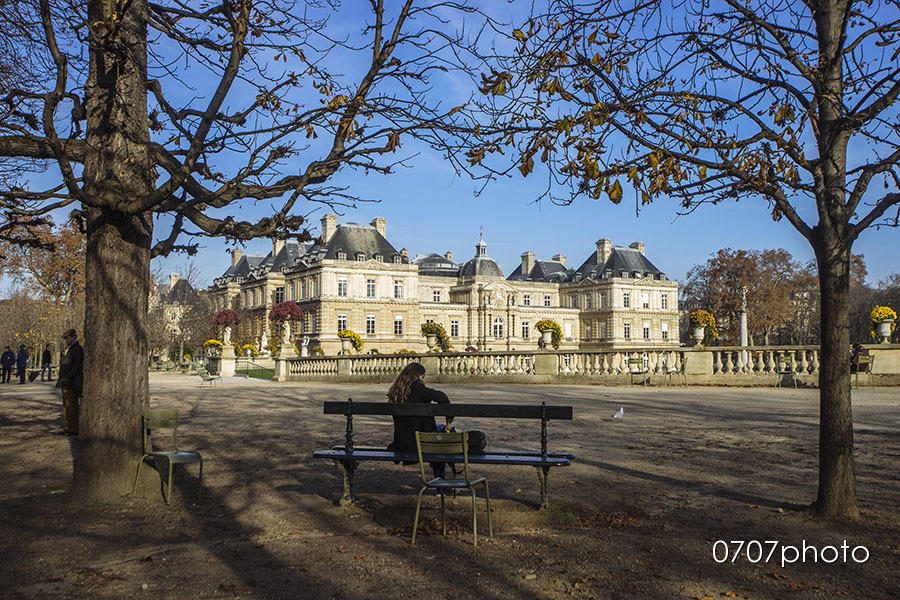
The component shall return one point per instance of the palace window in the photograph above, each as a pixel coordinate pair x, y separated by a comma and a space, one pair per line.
573, 301
665, 331
587, 331
398, 259
646, 331
526, 299
498, 327
342, 286
454, 328
342, 255
526, 330
398, 324
645, 299
626, 299
360, 257
370, 324
379, 258
664, 301
279, 295
588, 302
627, 330
398, 289
546, 299
436, 295
342, 322
370, 288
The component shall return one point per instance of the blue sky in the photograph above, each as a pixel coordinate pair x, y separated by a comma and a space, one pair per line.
430, 209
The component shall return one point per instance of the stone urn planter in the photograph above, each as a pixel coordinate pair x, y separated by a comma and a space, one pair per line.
430, 340
883, 330
346, 345
698, 333
547, 337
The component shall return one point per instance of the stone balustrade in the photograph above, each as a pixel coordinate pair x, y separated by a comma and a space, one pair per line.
767, 365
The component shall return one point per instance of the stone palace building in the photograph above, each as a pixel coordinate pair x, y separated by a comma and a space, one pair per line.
354, 278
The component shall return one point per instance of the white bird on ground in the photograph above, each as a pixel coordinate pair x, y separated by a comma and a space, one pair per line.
619, 414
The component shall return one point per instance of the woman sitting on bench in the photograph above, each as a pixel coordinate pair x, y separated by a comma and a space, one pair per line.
410, 387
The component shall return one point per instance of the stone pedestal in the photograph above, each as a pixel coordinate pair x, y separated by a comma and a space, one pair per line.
698, 362
432, 364
227, 361
546, 364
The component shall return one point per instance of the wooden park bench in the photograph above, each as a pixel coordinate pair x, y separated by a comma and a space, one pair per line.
348, 456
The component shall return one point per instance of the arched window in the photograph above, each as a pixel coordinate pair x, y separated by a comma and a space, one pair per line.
498, 327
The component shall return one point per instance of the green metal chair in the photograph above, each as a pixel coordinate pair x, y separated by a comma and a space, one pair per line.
164, 419
429, 444
636, 367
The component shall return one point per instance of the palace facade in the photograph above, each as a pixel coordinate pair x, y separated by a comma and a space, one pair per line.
352, 277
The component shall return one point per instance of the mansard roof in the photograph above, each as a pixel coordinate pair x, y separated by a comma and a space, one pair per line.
621, 260
353, 239
181, 292
481, 265
436, 265
543, 270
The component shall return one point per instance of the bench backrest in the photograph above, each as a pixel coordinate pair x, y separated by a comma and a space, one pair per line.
502, 411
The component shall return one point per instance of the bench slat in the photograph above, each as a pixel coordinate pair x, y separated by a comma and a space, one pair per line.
497, 458
507, 411
568, 455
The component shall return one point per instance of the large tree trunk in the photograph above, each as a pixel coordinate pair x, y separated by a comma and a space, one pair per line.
837, 481
117, 171
115, 364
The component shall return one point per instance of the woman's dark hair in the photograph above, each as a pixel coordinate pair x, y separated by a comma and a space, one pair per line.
399, 392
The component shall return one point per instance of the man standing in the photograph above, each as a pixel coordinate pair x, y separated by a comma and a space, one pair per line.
21, 363
7, 360
46, 366
70, 381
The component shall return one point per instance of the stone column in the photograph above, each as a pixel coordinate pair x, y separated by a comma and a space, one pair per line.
227, 361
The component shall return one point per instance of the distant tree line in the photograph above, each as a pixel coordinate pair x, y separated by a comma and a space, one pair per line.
782, 297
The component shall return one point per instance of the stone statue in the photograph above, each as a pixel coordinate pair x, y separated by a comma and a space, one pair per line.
226, 337
286, 332
304, 347
263, 342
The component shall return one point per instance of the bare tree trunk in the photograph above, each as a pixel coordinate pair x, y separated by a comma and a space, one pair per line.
837, 482
117, 265
115, 366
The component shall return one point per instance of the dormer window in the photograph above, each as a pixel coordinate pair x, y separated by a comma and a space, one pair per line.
360, 257
341, 255
624, 274
379, 258
398, 260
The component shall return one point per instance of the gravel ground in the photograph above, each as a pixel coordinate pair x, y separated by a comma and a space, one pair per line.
638, 515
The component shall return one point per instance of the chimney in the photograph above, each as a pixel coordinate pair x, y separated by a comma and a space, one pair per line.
329, 226
604, 250
639, 246
527, 263
236, 255
380, 225
560, 258
404, 252
173, 279
448, 256
277, 245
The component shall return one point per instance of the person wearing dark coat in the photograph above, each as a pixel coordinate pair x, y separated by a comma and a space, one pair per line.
21, 363
70, 381
409, 387
46, 364
7, 361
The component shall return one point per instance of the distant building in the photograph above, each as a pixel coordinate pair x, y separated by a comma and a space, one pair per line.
174, 299
354, 278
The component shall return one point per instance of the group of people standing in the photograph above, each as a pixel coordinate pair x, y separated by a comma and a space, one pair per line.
20, 361
69, 382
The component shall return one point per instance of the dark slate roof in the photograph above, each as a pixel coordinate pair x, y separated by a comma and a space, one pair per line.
244, 265
354, 239
435, 264
289, 253
543, 270
481, 264
621, 259
181, 292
